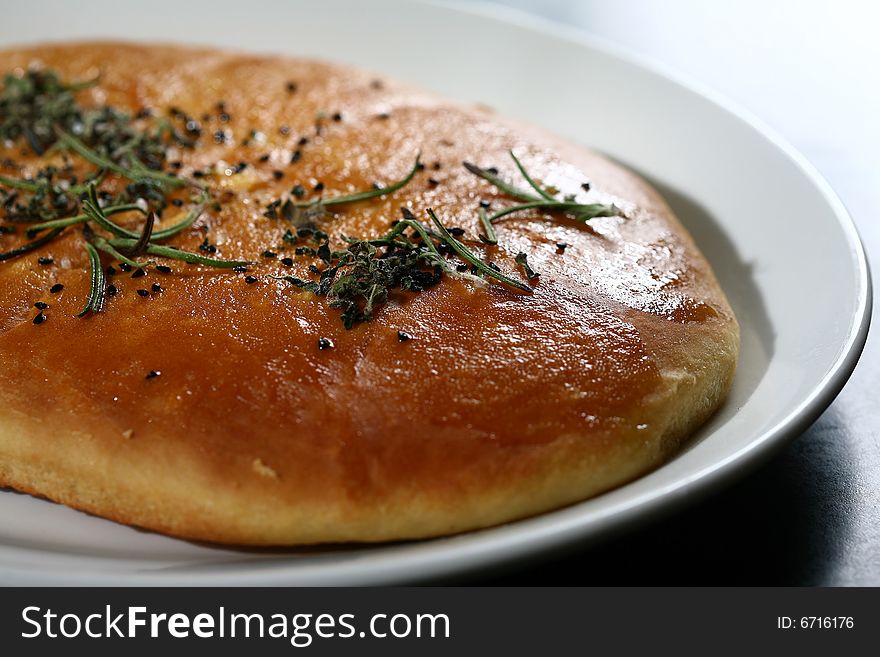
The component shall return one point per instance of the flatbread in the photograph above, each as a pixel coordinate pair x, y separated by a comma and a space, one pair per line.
501, 405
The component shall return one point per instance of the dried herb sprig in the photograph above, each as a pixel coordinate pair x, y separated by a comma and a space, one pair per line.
160, 235
488, 235
471, 258
30, 246
162, 251
360, 278
364, 196
542, 199
136, 170
97, 282
33, 104
131, 244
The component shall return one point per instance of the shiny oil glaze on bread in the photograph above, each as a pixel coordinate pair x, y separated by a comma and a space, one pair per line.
261, 300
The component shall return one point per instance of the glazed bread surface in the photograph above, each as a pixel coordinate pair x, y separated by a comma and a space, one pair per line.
500, 406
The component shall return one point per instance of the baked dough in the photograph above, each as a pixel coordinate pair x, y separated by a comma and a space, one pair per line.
501, 406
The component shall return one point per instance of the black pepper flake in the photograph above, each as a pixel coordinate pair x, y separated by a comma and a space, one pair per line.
193, 127
313, 269
494, 266
291, 87
303, 141
239, 269
139, 273
278, 175
207, 247
297, 155
325, 343
40, 318
383, 116
152, 374
250, 280
461, 267
124, 266
112, 290
143, 293
165, 269
456, 231
299, 191
287, 262
111, 270
177, 203
561, 246
55, 289
41, 305
45, 260
485, 204
284, 130
433, 182
403, 336
219, 136
337, 117
585, 186
269, 254
156, 288
263, 158
223, 117
319, 187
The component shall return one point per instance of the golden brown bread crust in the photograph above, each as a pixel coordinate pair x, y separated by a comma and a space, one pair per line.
502, 406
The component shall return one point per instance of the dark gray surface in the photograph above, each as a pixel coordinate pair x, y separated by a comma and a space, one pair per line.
811, 70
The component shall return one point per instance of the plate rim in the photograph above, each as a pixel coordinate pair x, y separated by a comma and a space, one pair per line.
492, 547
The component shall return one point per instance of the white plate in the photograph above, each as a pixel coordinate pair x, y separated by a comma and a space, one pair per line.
781, 243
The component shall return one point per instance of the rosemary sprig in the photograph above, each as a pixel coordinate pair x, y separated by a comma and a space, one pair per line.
129, 244
136, 170
26, 185
159, 235
81, 218
96, 282
102, 244
488, 235
30, 246
146, 233
363, 196
93, 211
541, 192
544, 200
471, 258
126, 243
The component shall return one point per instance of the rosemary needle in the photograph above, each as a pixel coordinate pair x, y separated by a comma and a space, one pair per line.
126, 243
488, 236
468, 256
30, 246
137, 172
363, 196
97, 281
581, 212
